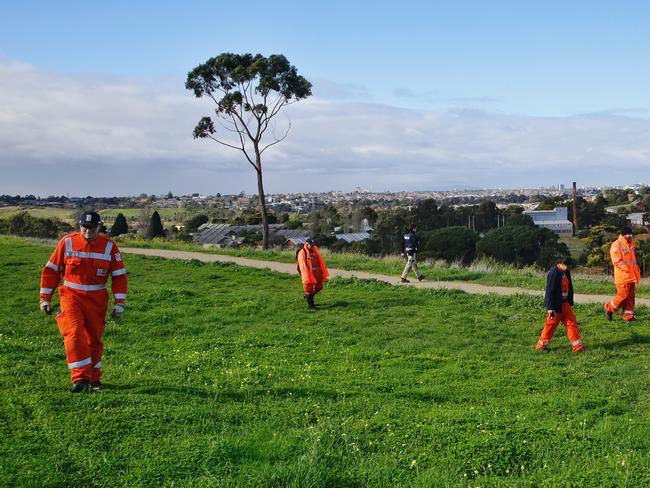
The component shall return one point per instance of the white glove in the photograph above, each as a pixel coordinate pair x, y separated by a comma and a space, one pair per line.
118, 310
46, 307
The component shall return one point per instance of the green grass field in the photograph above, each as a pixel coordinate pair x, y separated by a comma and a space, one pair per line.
218, 376
166, 214
486, 273
576, 246
65, 214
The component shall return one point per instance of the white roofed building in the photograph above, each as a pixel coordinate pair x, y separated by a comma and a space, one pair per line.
556, 220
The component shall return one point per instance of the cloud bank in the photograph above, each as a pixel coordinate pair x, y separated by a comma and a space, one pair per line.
86, 135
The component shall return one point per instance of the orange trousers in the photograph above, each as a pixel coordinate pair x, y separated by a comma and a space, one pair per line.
568, 318
81, 323
624, 299
312, 288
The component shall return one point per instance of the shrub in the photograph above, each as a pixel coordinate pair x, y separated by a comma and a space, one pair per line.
155, 226
120, 226
522, 245
23, 224
450, 244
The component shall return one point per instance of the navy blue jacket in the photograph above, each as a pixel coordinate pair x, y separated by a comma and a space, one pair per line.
553, 295
411, 242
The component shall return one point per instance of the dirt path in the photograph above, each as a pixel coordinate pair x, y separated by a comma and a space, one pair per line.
473, 288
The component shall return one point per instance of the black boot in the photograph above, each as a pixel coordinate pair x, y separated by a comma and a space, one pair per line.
79, 386
310, 303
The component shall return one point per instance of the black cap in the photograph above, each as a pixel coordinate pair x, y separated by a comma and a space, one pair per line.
625, 230
309, 240
90, 219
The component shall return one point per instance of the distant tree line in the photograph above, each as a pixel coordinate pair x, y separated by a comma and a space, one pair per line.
465, 233
85, 202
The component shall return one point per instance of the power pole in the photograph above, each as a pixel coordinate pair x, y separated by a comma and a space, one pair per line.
575, 210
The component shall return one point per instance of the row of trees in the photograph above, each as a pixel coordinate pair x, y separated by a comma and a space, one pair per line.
520, 243
26, 225
453, 234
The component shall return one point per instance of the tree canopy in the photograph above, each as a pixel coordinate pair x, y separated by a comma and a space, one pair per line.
522, 245
450, 244
248, 92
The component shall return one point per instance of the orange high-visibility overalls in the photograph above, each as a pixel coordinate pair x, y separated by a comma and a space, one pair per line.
626, 275
84, 268
567, 317
313, 271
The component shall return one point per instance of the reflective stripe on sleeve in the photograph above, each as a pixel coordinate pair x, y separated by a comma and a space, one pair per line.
79, 364
51, 265
120, 296
46, 291
118, 272
98, 365
78, 286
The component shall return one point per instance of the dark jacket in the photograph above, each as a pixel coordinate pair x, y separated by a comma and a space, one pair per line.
411, 242
553, 295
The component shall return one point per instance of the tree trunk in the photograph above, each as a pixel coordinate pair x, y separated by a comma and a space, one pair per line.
260, 192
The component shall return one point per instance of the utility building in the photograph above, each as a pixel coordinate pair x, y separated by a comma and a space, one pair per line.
556, 220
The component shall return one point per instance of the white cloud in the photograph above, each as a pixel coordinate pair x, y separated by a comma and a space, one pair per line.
85, 135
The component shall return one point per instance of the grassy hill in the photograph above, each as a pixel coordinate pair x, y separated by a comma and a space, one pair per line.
486, 272
218, 376
67, 215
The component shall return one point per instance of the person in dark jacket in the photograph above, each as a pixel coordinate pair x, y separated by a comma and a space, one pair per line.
558, 300
409, 249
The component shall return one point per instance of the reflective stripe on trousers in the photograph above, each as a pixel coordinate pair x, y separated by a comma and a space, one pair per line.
79, 286
79, 364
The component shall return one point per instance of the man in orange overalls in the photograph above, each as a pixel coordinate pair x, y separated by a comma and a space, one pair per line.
626, 275
84, 260
558, 300
313, 271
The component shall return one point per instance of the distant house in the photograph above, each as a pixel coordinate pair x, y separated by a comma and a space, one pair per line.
635, 218
555, 220
295, 242
353, 237
291, 237
226, 235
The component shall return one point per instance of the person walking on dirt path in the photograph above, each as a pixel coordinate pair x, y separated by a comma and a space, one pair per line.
410, 245
83, 261
558, 300
313, 271
626, 276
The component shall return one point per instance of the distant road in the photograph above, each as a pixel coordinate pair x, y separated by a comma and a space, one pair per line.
290, 268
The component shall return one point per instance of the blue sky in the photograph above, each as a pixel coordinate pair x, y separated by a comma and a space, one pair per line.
410, 95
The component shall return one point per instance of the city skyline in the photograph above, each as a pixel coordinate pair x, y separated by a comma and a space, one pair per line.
416, 98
